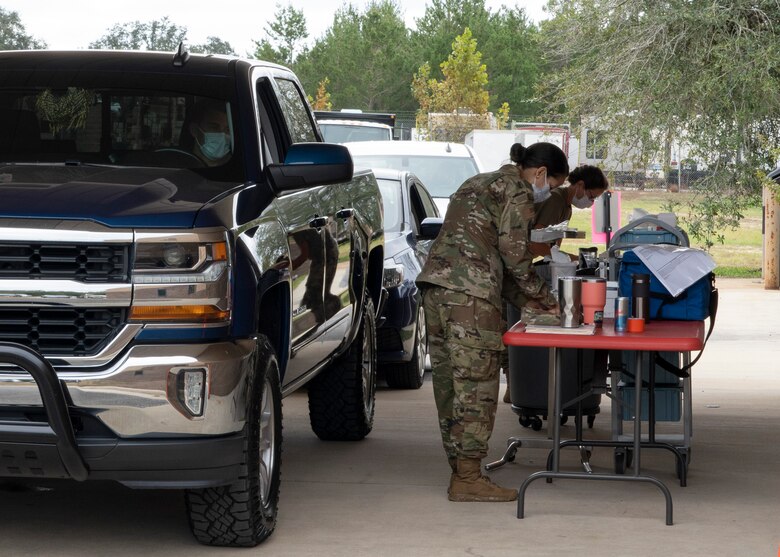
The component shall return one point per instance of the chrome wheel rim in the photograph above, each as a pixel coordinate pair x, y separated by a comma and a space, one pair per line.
422, 342
267, 460
367, 369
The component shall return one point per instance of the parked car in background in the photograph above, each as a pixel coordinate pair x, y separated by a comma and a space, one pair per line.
411, 217
340, 126
342, 131
441, 166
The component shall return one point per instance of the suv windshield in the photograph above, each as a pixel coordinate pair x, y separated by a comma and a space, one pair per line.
101, 125
440, 175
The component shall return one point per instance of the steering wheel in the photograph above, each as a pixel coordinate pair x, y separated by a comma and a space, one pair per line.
181, 153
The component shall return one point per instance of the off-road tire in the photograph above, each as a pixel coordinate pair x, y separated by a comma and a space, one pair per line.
243, 513
409, 375
341, 397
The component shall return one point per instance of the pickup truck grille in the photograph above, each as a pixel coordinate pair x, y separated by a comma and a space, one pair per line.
61, 331
80, 262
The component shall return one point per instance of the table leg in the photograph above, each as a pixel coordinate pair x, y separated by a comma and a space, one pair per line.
637, 412
637, 443
551, 383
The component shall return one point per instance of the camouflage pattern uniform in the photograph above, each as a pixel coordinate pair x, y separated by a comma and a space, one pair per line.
479, 257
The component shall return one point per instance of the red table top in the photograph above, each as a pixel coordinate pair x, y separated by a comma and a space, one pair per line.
671, 336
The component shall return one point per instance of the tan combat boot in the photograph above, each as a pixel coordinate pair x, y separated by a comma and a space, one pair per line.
469, 485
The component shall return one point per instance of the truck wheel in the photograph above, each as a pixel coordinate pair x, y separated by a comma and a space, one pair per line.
341, 397
243, 513
409, 375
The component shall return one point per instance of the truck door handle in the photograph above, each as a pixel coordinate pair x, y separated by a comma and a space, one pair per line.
345, 213
318, 222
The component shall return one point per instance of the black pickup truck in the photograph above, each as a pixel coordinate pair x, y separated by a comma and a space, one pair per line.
178, 251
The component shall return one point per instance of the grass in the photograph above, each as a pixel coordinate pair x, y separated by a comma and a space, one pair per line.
740, 255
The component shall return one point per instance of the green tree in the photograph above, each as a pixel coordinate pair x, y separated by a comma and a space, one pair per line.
159, 35
13, 35
366, 57
703, 72
463, 90
442, 21
511, 52
508, 42
285, 37
213, 45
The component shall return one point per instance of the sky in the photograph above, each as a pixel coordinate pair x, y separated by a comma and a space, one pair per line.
73, 24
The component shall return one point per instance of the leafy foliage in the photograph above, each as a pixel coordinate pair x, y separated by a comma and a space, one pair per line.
365, 55
461, 90
161, 35
322, 101
13, 35
508, 42
213, 45
703, 72
285, 37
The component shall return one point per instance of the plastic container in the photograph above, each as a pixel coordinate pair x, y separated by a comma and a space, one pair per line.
594, 298
667, 402
558, 270
639, 236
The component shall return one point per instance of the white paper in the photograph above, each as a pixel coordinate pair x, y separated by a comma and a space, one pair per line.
675, 267
558, 330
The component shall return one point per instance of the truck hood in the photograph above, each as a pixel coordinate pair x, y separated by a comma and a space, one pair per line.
116, 197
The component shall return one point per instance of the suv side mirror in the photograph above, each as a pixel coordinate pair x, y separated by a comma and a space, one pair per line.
429, 228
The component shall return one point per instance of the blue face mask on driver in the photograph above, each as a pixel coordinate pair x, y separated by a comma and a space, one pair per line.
215, 145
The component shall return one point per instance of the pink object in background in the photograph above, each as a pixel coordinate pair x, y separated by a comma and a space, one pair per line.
594, 298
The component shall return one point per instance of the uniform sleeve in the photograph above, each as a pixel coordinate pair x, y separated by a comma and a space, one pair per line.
513, 229
553, 211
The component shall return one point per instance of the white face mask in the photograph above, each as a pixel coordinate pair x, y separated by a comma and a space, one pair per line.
583, 202
215, 145
541, 193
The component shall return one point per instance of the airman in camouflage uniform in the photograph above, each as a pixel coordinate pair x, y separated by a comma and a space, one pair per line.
479, 259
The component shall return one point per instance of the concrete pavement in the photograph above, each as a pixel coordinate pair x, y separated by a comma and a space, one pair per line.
386, 495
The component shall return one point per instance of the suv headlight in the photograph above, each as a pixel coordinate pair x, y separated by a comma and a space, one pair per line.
181, 278
393, 274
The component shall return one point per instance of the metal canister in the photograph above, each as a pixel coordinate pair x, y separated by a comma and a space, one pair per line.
570, 301
621, 313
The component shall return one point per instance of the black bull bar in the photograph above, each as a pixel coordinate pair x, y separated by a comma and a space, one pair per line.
27, 446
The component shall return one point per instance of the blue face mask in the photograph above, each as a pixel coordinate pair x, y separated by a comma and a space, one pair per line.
215, 145
541, 193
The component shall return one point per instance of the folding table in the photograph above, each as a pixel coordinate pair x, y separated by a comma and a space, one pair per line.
672, 336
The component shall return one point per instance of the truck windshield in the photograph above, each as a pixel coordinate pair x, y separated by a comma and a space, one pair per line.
77, 125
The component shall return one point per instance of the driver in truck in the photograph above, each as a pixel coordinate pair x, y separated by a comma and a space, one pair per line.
210, 131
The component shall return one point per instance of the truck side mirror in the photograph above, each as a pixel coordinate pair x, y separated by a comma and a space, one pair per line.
311, 164
429, 228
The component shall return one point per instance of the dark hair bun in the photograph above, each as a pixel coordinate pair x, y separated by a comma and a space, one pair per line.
516, 153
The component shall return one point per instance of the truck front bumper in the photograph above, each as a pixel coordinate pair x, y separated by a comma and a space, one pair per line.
128, 423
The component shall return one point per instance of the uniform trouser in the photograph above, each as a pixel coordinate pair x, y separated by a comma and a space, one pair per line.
464, 342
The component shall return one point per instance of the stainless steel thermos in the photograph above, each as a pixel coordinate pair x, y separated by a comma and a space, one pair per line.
570, 301
640, 296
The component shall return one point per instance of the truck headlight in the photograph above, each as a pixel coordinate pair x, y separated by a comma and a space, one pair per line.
181, 278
